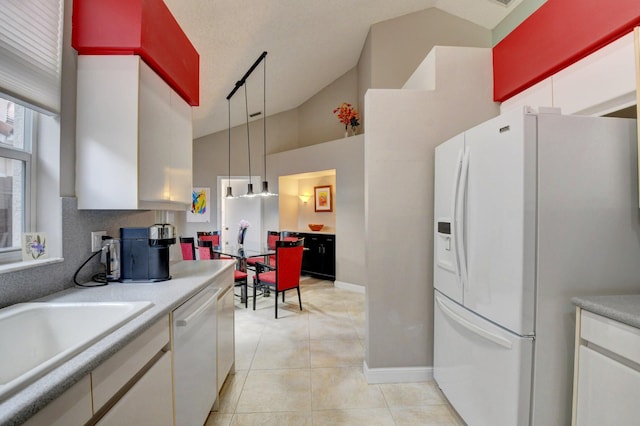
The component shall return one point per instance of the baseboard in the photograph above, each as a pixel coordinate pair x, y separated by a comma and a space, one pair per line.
351, 287
397, 375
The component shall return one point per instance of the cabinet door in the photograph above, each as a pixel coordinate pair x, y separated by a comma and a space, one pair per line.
71, 408
310, 254
180, 174
607, 391
148, 402
327, 260
113, 374
155, 136
107, 132
225, 338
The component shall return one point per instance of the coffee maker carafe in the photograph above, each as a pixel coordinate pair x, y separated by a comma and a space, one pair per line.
145, 253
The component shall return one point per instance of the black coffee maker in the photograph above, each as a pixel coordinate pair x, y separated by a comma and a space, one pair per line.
145, 253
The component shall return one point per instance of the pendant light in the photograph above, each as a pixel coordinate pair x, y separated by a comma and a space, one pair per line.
246, 109
240, 83
229, 189
265, 184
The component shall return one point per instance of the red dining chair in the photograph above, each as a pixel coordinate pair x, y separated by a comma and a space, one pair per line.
272, 237
214, 237
240, 278
286, 273
187, 246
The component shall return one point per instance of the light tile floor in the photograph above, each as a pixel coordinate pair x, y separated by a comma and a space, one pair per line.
305, 368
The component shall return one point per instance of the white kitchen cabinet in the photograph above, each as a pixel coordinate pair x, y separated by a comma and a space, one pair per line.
71, 408
603, 82
133, 137
113, 375
607, 373
148, 402
135, 385
598, 84
225, 353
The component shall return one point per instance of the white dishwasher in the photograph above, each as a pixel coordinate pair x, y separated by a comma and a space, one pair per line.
194, 357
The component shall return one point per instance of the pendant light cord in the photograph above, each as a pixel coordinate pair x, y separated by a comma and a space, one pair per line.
229, 152
264, 115
246, 109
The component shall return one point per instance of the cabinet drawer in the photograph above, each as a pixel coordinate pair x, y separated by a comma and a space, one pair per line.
148, 402
114, 373
612, 335
71, 408
607, 391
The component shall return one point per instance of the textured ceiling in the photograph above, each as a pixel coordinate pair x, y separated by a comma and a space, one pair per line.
310, 43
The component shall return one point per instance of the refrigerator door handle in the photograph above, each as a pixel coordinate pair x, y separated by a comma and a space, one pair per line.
479, 331
460, 219
454, 204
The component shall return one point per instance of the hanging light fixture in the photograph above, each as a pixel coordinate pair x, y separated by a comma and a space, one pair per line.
240, 83
229, 189
265, 184
246, 109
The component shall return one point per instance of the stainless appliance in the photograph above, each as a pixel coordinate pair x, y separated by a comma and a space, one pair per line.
110, 258
530, 209
145, 253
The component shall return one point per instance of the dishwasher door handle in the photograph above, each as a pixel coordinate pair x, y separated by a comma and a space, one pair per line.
195, 314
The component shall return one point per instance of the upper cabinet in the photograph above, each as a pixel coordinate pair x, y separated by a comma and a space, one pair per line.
598, 84
133, 137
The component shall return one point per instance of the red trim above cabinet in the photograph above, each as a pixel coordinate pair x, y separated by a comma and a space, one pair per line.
139, 27
555, 36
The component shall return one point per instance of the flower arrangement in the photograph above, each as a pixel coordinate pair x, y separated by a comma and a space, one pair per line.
242, 231
348, 116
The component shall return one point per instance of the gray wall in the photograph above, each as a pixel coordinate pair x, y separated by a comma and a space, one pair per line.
346, 156
402, 130
515, 18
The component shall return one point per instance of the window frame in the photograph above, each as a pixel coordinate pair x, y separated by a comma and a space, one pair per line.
28, 156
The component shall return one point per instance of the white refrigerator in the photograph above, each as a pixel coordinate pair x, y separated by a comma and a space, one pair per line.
531, 209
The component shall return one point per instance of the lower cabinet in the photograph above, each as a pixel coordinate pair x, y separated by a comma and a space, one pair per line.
319, 258
225, 348
71, 408
132, 387
607, 376
149, 401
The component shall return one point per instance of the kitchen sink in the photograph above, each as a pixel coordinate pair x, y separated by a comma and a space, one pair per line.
37, 337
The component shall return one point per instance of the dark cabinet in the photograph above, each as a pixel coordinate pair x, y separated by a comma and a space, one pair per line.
319, 258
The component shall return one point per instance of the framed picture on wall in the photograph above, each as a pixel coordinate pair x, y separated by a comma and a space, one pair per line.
323, 198
200, 210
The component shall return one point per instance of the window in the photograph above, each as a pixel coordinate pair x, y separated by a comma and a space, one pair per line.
16, 130
30, 70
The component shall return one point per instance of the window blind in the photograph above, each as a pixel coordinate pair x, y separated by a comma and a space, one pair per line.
30, 52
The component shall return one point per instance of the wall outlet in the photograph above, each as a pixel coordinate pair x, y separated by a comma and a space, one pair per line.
96, 240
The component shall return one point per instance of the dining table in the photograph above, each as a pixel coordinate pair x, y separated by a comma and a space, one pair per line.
241, 254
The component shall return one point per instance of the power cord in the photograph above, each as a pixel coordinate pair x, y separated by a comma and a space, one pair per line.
100, 277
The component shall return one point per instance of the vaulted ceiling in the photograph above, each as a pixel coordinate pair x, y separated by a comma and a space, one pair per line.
310, 44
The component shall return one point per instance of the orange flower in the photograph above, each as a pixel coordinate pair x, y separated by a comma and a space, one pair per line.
347, 115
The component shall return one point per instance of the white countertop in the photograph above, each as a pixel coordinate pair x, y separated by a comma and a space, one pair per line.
187, 279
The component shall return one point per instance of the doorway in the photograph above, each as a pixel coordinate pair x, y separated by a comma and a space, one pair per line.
232, 211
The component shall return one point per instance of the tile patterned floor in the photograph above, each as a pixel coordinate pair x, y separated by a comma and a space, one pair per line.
305, 368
